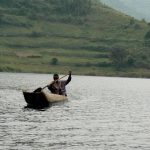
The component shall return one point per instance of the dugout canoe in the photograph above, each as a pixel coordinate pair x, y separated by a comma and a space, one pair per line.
42, 99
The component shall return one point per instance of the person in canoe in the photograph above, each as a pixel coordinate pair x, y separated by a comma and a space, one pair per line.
59, 86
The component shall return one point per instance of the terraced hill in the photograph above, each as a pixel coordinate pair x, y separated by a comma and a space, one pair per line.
49, 36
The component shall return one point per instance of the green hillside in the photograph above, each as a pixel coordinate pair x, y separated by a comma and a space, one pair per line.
47, 36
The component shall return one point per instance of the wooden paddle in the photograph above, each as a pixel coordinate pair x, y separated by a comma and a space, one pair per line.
40, 89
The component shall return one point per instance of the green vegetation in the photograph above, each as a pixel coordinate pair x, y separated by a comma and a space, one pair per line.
54, 61
49, 36
147, 36
118, 57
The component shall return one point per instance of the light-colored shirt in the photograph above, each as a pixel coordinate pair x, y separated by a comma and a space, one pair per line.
59, 87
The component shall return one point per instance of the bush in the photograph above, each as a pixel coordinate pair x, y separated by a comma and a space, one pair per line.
130, 60
54, 61
132, 21
118, 57
35, 34
147, 35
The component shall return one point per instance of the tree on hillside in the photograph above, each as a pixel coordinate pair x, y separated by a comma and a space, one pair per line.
118, 57
132, 21
147, 39
54, 61
147, 36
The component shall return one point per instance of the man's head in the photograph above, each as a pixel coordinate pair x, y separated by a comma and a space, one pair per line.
55, 76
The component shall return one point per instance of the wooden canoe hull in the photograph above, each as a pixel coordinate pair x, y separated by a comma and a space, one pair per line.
42, 99
54, 97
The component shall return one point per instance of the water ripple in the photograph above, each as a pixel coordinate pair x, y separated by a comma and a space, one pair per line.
102, 113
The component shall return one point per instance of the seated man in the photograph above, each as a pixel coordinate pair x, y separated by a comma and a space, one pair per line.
59, 86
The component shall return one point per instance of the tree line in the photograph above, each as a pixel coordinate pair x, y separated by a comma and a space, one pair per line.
73, 7
70, 7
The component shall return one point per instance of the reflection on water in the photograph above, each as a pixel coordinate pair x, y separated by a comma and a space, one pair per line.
102, 113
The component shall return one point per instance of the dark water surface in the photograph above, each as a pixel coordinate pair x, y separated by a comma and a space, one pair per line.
102, 113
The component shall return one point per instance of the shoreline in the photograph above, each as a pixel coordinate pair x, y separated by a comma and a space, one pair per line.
79, 74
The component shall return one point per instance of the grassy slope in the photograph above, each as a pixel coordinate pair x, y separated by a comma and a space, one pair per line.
28, 45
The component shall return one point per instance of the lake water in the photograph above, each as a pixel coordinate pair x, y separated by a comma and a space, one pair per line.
102, 113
